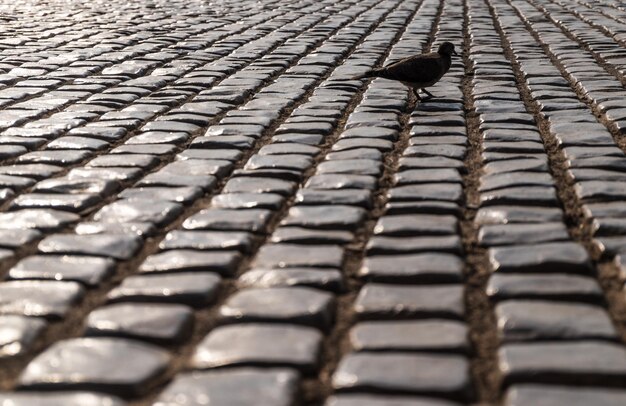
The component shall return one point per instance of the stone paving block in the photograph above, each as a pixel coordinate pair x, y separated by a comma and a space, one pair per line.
555, 395
222, 262
157, 323
446, 192
336, 217
48, 299
523, 196
90, 364
560, 257
265, 345
398, 372
526, 320
414, 268
422, 335
557, 286
63, 398
583, 362
518, 234
291, 255
238, 386
406, 245
349, 197
191, 288
384, 302
207, 240
18, 334
416, 225
385, 400
102, 245
326, 279
90, 271
517, 214
40, 219
296, 305
252, 220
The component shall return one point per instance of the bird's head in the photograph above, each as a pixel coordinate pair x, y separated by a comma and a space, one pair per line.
447, 48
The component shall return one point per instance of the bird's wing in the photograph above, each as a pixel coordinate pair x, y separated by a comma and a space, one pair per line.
420, 68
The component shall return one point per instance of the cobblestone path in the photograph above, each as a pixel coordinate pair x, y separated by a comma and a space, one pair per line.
201, 206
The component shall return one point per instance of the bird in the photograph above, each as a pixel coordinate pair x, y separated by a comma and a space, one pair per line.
417, 71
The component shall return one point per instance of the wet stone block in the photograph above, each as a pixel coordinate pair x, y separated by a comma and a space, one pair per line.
183, 194
91, 364
18, 334
292, 255
63, 398
75, 203
385, 400
414, 268
230, 387
341, 181
517, 214
207, 240
422, 335
554, 395
76, 186
157, 323
564, 287
90, 271
514, 179
384, 302
17, 238
306, 236
191, 288
224, 263
296, 305
259, 185
404, 373
570, 363
558, 257
252, 220
446, 192
407, 245
240, 201
416, 225
525, 320
325, 217
425, 207
40, 219
415, 176
325, 279
517, 234
349, 197
48, 299
255, 344
115, 246
523, 196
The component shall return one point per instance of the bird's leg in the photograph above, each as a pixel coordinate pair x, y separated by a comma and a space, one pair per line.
416, 94
428, 93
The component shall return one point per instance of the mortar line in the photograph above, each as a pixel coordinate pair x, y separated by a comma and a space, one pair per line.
480, 316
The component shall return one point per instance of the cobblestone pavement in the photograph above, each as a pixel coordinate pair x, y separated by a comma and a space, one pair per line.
201, 206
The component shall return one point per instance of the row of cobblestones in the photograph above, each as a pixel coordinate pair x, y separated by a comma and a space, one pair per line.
200, 204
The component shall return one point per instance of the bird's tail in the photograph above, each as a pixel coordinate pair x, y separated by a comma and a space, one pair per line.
369, 74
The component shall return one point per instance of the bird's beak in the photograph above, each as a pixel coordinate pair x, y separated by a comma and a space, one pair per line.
454, 53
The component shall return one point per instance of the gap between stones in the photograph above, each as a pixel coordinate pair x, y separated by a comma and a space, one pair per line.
480, 317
